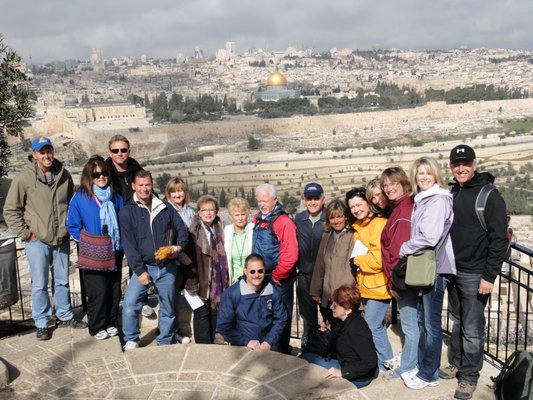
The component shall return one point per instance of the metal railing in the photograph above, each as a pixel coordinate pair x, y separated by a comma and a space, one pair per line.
509, 312
20, 312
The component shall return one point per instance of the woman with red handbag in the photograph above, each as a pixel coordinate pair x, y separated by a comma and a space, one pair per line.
92, 222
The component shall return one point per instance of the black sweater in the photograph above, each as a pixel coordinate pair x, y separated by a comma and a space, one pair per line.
478, 251
355, 349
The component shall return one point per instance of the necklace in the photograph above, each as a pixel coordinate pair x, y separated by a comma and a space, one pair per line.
239, 246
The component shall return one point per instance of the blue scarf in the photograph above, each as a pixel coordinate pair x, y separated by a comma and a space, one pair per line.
108, 215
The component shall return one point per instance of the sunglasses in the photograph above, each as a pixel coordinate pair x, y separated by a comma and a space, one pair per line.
98, 174
259, 271
115, 151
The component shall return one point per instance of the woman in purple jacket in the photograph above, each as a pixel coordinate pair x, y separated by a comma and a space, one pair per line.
430, 224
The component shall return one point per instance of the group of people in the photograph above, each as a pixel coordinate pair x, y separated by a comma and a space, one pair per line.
237, 281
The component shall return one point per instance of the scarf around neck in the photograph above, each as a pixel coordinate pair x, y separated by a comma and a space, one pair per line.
108, 215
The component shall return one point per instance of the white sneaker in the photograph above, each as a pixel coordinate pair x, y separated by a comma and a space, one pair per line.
416, 383
147, 311
182, 339
130, 345
394, 362
112, 331
409, 375
101, 335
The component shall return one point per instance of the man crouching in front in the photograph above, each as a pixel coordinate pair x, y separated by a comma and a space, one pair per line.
251, 312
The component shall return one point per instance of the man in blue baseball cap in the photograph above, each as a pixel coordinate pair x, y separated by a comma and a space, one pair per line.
36, 211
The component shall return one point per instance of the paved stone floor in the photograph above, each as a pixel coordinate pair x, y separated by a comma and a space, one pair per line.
73, 365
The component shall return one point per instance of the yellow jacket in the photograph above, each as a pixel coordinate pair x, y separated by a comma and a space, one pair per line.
371, 279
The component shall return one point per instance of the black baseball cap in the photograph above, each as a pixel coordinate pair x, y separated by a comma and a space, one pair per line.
313, 189
462, 152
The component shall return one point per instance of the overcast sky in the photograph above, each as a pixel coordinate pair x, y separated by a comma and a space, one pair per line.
47, 30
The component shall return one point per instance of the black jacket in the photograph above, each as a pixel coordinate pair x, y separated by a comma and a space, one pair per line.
122, 180
354, 346
309, 237
476, 250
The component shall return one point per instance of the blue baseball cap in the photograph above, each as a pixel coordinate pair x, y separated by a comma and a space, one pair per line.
39, 143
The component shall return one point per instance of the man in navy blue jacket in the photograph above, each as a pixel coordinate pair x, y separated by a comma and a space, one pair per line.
251, 312
145, 222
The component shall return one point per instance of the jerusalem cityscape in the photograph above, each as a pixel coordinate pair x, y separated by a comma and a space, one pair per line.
229, 110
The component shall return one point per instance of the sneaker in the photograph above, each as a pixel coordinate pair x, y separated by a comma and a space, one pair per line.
448, 372
394, 362
416, 383
408, 375
112, 331
181, 339
101, 335
72, 323
130, 345
147, 311
389, 376
43, 334
464, 391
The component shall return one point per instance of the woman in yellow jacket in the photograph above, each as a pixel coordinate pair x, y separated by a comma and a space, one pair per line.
366, 265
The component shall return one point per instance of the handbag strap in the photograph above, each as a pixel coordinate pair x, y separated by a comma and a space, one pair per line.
97, 201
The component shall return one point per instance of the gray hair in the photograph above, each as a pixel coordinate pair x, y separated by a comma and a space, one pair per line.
264, 187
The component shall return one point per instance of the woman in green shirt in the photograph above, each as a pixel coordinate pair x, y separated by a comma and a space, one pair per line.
238, 236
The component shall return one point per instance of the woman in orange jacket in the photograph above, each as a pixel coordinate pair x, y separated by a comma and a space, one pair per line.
368, 270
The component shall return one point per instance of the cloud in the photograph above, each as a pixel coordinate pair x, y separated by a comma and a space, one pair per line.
54, 29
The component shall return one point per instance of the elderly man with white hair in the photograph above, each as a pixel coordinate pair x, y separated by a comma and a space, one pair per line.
274, 238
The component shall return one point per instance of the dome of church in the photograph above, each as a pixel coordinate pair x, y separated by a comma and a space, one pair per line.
276, 78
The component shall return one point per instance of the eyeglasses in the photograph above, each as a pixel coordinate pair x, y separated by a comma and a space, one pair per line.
259, 271
208, 210
98, 174
115, 151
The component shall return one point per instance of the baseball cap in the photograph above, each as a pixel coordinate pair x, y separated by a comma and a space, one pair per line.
313, 189
462, 152
39, 143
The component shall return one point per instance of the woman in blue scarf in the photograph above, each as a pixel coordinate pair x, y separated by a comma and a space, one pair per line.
94, 209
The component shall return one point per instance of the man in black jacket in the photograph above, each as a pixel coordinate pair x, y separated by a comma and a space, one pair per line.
309, 226
122, 168
479, 254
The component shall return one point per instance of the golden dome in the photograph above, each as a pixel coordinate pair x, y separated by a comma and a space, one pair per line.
276, 78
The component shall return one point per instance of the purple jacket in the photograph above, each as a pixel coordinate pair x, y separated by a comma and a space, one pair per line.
430, 224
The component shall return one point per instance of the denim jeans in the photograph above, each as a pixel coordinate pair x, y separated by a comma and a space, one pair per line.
467, 311
287, 296
430, 324
163, 279
375, 311
322, 362
41, 257
306, 305
408, 306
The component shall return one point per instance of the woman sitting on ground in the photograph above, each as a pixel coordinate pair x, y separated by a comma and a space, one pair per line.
351, 341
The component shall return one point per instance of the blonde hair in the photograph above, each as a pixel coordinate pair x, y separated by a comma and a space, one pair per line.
238, 204
175, 184
397, 174
432, 166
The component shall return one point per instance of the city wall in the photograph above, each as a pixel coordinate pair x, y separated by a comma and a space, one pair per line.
176, 138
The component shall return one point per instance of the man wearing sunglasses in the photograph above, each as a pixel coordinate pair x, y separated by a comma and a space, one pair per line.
122, 166
251, 312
